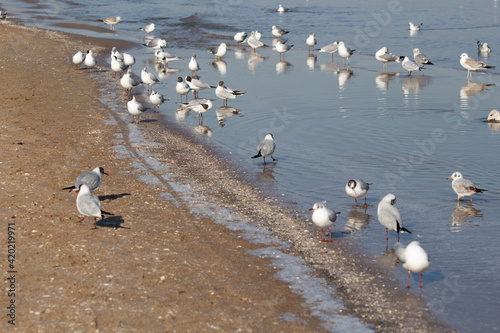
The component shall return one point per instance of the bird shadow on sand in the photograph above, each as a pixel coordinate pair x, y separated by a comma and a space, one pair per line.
148, 120
113, 196
112, 222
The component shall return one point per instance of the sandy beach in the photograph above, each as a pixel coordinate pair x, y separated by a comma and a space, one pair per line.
153, 266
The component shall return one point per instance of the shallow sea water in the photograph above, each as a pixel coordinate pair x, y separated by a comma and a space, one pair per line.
331, 123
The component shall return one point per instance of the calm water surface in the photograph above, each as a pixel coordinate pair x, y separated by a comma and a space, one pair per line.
405, 135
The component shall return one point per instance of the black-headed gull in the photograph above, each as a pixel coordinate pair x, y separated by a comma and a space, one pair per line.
414, 259
78, 58
90, 61
117, 65
112, 21
345, 52
156, 99
148, 28
493, 116
483, 48
357, 188
323, 218
420, 58
311, 42
389, 217
415, 27
278, 32
219, 51
193, 64
196, 84
182, 88
92, 179
463, 187
472, 65
266, 148
88, 204
384, 56
135, 109
200, 106
226, 93
410, 66
240, 37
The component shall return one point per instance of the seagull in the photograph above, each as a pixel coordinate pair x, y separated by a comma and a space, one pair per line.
182, 88
148, 28
330, 48
156, 43
266, 148
128, 82
135, 109
128, 60
254, 42
357, 188
196, 84
90, 61
149, 78
281, 9
219, 51
389, 217
384, 56
414, 259
415, 27
3, 15
117, 65
483, 48
257, 34
344, 51
311, 41
410, 65
168, 58
193, 64
323, 218
156, 99
116, 53
494, 116
420, 58
200, 106
282, 48
463, 187
240, 37
92, 179
278, 32
88, 204
226, 93
112, 21
78, 58
472, 65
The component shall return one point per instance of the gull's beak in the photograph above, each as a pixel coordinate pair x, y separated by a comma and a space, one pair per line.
449, 177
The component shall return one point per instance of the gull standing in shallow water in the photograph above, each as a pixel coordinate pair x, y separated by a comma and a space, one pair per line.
226, 93
149, 78
420, 58
311, 42
254, 42
219, 51
92, 179
384, 56
323, 218
200, 106
278, 32
483, 48
357, 188
330, 48
128, 59
410, 66
463, 187
389, 217
196, 84
493, 116
266, 148
88, 204
193, 64
472, 65
148, 28
282, 48
128, 82
182, 88
345, 52
414, 259
240, 37
112, 21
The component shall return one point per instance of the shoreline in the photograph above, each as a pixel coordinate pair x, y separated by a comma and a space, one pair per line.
354, 275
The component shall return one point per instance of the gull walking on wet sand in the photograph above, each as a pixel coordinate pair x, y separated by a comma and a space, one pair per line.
410, 66
357, 188
135, 109
463, 187
226, 93
117, 66
78, 59
112, 21
472, 65
389, 217
128, 59
266, 148
323, 218
90, 61
156, 99
92, 179
128, 82
414, 259
88, 204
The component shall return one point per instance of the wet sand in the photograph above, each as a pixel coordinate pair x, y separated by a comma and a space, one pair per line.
154, 266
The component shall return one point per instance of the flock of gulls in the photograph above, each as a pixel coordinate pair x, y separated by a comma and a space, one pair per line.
413, 256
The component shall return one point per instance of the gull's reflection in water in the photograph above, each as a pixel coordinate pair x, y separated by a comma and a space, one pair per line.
382, 80
462, 213
311, 61
494, 127
254, 59
219, 65
181, 113
357, 219
472, 88
331, 67
413, 84
225, 112
283, 66
344, 75
165, 72
266, 176
203, 129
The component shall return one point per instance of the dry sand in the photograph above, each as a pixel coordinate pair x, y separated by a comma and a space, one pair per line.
154, 266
